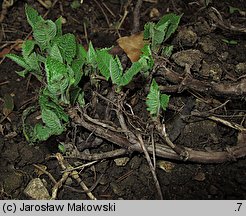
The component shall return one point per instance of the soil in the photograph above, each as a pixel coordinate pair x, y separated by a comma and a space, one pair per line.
201, 41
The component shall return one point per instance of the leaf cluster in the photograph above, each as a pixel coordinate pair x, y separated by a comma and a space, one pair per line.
160, 32
58, 61
61, 57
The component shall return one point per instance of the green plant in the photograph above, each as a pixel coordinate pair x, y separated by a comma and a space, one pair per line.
59, 62
157, 34
230, 42
61, 57
155, 100
160, 32
110, 67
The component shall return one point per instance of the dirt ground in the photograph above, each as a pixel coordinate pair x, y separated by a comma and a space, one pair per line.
211, 38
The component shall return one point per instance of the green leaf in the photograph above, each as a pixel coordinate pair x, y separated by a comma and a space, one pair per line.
22, 73
32, 61
57, 77
156, 100
173, 23
62, 148
58, 23
41, 58
76, 66
19, 60
103, 62
27, 48
32, 16
164, 100
146, 58
81, 52
81, 100
130, 73
115, 70
160, 32
68, 47
230, 42
167, 51
55, 53
44, 32
148, 30
153, 99
91, 55
41, 133
55, 70
50, 119
45, 101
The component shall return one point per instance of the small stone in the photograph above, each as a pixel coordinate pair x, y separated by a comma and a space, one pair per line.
186, 37
117, 189
241, 68
165, 165
213, 71
190, 57
200, 176
36, 190
208, 45
154, 13
121, 161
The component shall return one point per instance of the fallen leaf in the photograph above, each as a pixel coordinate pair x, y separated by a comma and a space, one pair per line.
200, 176
241, 138
17, 46
165, 165
4, 52
8, 104
132, 45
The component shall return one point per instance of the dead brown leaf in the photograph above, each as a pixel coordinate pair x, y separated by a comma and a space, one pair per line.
132, 45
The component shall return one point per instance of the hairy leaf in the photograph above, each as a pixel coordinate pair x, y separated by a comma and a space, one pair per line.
57, 76
32, 61
55, 70
91, 55
153, 99
41, 133
55, 53
58, 23
160, 32
81, 52
51, 119
44, 32
164, 100
173, 20
115, 70
76, 66
156, 100
146, 58
67, 46
167, 51
19, 60
103, 62
46, 101
130, 73
27, 48
32, 16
